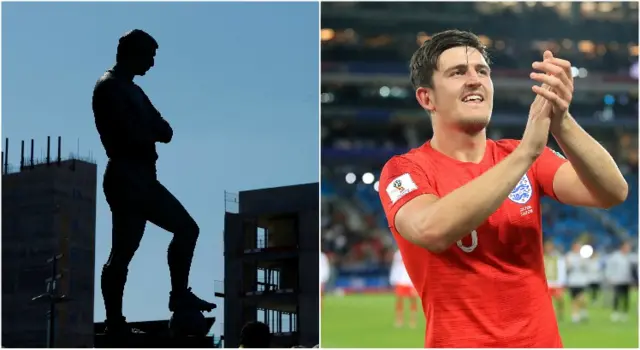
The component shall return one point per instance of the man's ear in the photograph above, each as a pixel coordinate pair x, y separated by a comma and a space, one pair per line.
425, 98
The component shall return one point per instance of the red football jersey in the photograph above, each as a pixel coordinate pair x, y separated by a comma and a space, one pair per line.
489, 289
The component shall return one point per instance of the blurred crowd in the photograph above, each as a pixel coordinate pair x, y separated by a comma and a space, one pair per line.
627, 153
355, 242
600, 37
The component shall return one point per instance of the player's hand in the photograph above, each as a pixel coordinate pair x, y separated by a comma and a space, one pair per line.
536, 133
557, 84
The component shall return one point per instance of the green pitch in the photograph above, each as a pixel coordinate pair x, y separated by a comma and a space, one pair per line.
367, 321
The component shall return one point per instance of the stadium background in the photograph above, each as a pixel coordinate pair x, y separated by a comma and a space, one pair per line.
369, 113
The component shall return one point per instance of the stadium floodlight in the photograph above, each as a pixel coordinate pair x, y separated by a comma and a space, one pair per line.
350, 178
575, 71
582, 73
368, 178
385, 91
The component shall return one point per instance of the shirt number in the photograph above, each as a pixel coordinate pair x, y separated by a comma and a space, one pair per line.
474, 243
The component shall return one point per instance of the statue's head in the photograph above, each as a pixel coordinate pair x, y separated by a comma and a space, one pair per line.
136, 52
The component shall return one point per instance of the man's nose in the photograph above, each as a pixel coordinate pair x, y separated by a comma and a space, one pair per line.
473, 78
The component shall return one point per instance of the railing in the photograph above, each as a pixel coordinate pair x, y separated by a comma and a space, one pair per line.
29, 164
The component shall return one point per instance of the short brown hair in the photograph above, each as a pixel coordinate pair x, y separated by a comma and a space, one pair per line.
425, 60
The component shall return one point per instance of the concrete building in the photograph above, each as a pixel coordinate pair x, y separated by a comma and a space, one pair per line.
48, 209
271, 264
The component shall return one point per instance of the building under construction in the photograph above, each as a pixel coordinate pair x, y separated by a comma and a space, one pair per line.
48, 240
271, 249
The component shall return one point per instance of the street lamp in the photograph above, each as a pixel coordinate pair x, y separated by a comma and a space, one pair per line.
52, 297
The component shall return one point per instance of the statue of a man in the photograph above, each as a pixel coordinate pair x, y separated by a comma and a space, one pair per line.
129, 126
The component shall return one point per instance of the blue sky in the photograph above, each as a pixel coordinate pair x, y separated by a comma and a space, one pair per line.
237, 81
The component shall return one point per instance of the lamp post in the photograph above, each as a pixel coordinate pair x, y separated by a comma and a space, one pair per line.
52, 297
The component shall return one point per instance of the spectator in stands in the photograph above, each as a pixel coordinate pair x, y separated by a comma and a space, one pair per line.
628, 153
255, 334
632, 163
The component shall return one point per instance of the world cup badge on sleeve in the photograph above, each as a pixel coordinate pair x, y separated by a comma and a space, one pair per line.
400, 186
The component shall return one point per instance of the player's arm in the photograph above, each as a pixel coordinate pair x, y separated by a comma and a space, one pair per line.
436, 223
113, 101
591, 178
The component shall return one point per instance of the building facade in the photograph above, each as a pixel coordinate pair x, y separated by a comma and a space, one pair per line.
48, 209
271, 265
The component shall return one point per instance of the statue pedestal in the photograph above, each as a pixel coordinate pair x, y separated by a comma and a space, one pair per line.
152, 341
156, 335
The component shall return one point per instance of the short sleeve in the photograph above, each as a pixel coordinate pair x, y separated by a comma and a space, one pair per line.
545, 168
401, 181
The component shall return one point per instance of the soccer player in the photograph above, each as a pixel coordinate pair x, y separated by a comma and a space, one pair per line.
465, 210
577, 281
555, 270
619, 273
595, 273
399, 278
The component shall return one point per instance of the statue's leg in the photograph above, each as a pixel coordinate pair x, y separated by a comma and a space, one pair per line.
167, 212
127, 233
125, 199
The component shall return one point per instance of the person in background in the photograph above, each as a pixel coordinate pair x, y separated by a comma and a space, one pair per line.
595, 274
255, 334
577, 281
556, 271
399, 278
618, 273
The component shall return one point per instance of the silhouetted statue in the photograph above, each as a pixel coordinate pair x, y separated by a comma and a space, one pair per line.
129, 126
